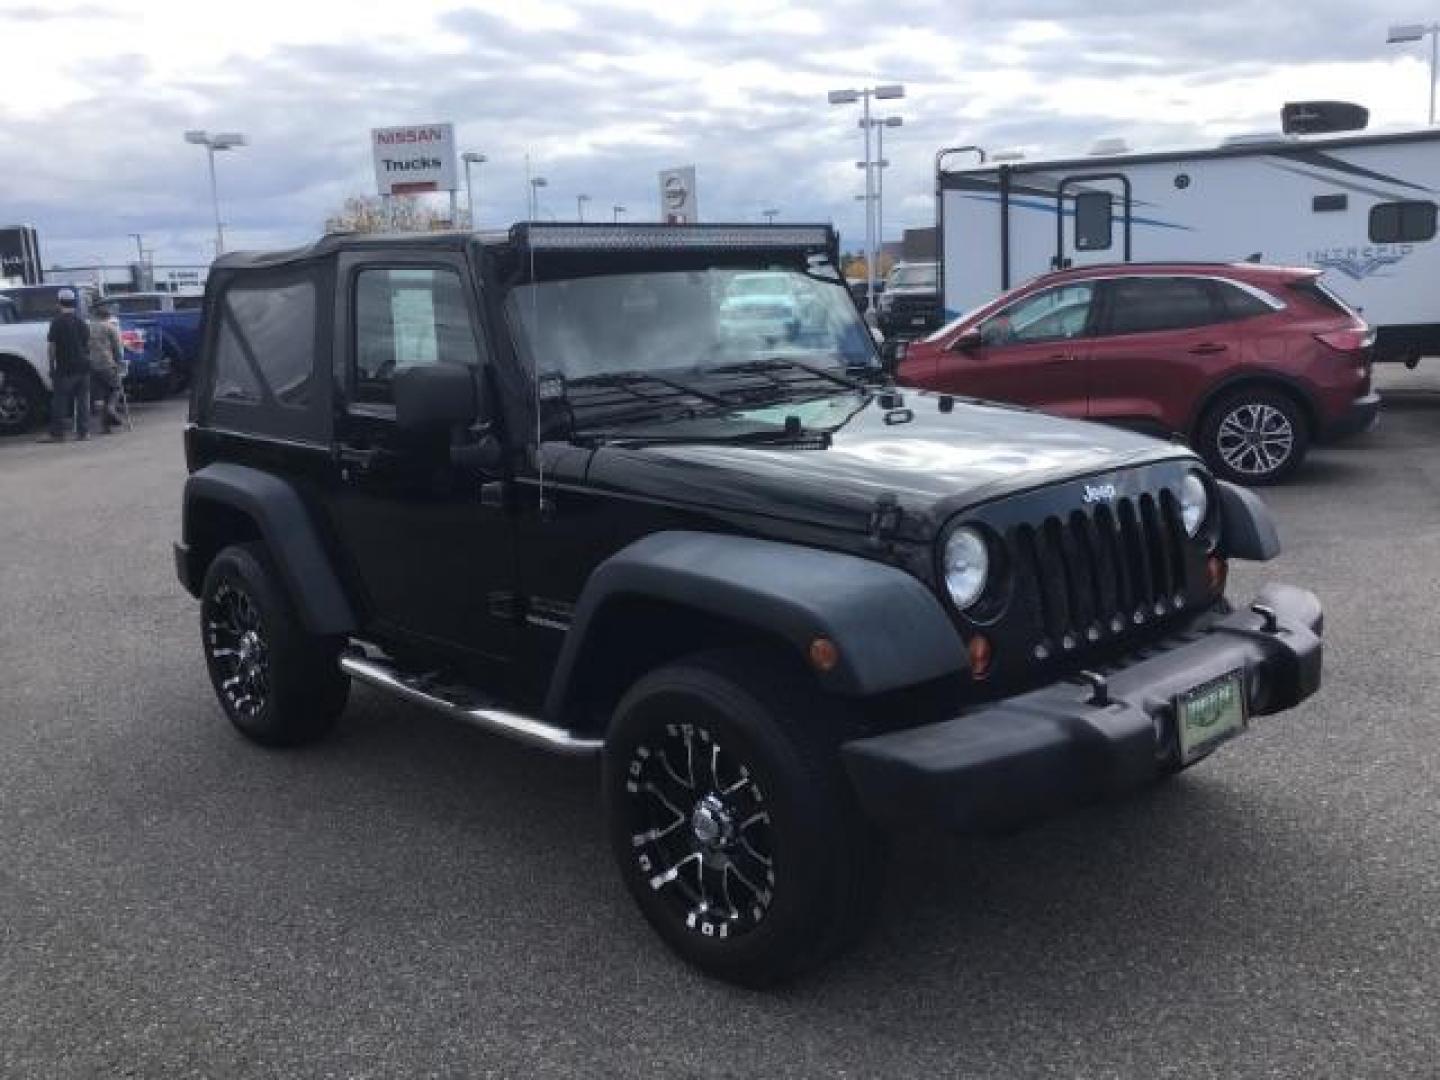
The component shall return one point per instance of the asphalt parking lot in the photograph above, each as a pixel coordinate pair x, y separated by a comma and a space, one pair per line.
413, 898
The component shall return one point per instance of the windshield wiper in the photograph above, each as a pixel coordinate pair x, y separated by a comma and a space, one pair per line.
770, 365
632, 381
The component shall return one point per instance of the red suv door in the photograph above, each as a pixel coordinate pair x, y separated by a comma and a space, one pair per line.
1160, 341
1031, 352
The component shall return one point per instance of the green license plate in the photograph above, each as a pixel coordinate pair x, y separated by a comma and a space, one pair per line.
1209, 714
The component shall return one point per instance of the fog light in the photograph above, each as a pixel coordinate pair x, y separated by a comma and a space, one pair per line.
1217, 570
980, 656
823, 654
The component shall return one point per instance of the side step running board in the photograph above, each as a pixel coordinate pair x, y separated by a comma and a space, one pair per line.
522, 728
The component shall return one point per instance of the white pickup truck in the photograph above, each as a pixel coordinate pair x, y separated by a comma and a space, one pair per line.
24, 370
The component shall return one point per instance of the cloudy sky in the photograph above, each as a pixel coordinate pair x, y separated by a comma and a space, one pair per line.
603, 95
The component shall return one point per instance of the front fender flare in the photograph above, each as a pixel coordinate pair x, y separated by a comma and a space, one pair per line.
890, 629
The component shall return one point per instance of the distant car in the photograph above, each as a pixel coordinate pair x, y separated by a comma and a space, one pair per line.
1249, 363
761, 305
910, 305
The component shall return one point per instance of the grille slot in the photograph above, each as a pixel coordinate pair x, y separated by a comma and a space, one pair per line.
1102, 571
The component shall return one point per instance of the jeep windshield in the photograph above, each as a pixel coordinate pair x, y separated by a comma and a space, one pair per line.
664, 345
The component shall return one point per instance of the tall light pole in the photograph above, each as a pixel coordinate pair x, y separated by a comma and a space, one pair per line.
1415, 32
770, 216
221, 140
470, 157
580, 201
536, 183
617, 210
880, 165
849, 97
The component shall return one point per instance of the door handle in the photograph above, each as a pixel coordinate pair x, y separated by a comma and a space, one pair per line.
353, 459
1207, 348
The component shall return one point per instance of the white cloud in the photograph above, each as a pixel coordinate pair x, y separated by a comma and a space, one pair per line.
601, 95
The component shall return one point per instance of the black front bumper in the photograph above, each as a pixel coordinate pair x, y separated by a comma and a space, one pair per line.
1033, 754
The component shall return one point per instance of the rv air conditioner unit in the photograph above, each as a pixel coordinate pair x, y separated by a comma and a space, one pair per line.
1320, 117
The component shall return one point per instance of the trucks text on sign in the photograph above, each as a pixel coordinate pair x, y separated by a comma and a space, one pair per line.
413, 159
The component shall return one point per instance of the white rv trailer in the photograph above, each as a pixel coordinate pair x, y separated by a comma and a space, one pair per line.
1360, 207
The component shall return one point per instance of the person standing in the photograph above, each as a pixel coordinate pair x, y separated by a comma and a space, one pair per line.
107, 363
69, 350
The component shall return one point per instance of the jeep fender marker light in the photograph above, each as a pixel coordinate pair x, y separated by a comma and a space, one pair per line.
980, 654
1217, 571
824, 655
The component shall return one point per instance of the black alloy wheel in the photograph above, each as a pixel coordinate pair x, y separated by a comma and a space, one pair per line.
279, 684
235, 644
701, 830
731, 820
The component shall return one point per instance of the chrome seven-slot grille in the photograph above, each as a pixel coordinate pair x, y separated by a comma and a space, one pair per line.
1105, 571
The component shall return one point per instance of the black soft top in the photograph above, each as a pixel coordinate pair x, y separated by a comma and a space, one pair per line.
552, 240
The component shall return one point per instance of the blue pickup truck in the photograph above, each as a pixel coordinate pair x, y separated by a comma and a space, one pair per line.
175, 320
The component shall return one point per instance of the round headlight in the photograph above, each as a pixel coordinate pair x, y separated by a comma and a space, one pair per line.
966, 565
1194, 502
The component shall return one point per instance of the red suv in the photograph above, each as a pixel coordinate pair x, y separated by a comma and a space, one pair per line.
1250, 363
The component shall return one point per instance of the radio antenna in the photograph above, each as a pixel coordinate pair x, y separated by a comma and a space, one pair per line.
535, 337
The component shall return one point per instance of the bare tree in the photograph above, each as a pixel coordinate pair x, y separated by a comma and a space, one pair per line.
406, 213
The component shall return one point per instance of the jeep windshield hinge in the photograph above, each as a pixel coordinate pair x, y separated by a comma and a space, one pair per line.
884, 519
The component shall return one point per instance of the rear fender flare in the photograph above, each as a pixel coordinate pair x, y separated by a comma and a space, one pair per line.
290, 536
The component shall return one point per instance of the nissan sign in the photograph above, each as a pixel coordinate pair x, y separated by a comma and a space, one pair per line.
677, 196
414, 159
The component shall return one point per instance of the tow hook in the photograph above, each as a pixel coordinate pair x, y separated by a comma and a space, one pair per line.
1269, 621
1099, 688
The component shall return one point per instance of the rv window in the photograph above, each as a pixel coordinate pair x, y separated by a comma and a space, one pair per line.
1402, 222
1092, 221
1322, 203
1142, 305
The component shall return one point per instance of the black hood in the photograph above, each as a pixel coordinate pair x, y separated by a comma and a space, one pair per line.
932, 454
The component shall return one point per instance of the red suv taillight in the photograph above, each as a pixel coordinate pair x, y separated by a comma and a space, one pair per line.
133, 340
1354, 339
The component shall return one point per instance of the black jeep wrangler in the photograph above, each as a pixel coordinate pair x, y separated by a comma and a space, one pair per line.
540, 481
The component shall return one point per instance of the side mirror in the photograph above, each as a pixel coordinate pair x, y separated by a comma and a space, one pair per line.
969, 341
435, 398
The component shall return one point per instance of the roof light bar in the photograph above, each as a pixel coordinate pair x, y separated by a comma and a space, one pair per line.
603, 237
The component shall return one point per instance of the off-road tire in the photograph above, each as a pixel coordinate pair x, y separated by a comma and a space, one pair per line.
1276, 414
825, 859
293, 688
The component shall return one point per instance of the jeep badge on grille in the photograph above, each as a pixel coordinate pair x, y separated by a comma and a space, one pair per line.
1099, 493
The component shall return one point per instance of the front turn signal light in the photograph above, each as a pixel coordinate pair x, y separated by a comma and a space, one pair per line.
1217, 570
824, 655
980, 655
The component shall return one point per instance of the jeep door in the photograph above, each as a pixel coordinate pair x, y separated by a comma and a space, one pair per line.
1162, 339
434, 560
1030, 352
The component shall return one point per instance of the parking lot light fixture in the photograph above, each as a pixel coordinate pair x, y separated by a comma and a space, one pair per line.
885, 91
536, 183
580, 201
221, 140
770, 216
1406, 33
617, 210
